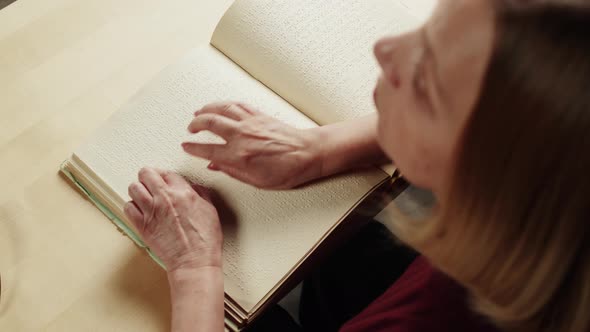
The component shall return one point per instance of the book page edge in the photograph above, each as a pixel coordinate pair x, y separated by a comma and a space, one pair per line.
272, 293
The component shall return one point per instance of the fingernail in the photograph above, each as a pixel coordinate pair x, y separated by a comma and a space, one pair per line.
395, 79
184, 145
212, 167
383, 48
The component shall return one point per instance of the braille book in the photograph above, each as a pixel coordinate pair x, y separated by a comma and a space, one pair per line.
308, 63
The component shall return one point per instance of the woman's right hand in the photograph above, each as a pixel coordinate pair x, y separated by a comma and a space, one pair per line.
259, 149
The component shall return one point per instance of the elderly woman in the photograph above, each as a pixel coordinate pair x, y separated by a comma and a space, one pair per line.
497, 127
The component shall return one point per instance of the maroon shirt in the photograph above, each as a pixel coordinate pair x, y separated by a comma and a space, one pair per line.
422, 300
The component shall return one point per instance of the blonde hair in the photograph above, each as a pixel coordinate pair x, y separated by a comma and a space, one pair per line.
513, 226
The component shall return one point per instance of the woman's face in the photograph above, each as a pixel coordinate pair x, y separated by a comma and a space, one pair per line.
429, 84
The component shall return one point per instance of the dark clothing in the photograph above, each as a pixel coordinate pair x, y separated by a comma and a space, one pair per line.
374, 284
353, 277
424, 300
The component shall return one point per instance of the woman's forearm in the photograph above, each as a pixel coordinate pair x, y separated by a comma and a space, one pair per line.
197, 299
350, 144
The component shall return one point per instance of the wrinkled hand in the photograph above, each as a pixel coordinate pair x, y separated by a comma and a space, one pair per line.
178, 222
259, 149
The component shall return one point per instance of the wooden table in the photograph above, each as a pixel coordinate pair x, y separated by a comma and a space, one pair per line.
65, 66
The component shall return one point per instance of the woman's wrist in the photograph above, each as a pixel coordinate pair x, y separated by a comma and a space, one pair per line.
326, 146
347, 145
197, 299
193, 276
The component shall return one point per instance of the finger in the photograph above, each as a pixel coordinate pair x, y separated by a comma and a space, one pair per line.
248, 109
151, 180
204, 192
134, 215
205, 151
173, 179
141, 196
217, 124
229, 110
239, 175
213, 166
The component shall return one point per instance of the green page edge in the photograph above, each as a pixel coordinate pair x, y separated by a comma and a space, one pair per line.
112, 217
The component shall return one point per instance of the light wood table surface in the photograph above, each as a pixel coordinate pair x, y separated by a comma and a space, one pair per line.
65, 66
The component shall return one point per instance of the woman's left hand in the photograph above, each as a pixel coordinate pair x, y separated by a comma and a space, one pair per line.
181, 226
177, 221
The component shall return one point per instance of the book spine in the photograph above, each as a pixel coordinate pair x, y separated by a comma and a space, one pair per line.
109, 214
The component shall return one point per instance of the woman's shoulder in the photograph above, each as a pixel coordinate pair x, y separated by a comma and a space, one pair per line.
423, 299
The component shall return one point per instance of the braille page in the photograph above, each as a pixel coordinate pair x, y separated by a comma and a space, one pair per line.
315, 54
266, 233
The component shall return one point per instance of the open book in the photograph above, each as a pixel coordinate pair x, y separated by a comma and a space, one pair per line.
305, 62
